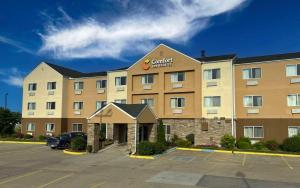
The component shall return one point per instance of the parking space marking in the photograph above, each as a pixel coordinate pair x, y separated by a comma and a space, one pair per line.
19, 177
244, 160
207, 156
287, 163
97, 185
56, 180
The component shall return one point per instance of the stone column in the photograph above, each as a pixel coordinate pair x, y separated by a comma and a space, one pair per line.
153, 132
132, 137
93, 136
109, 129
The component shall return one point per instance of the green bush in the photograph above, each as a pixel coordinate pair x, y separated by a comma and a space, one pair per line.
78, 143
272, 145
183, 143
150, 148
161, 133
259, 145
28, 136
191, 138
291, 144
159, 148
228, 141
42, 137
244, 139
243, 145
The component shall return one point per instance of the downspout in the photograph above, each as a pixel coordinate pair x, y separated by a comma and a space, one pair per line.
135, 137
233, 129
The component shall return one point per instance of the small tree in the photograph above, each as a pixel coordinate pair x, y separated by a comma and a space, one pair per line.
8, 120
161, 133
228, 141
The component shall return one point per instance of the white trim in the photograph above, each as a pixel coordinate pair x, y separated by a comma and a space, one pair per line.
107, 107
261, 126
270, 61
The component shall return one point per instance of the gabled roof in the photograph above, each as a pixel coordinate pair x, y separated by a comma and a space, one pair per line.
132, 109
217, 58
273, 57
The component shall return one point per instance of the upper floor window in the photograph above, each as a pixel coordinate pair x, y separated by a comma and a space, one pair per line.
50, 127
31, 106
120, 101
177, 102
252, 101
212, 101
51, 85
120, 81
100, 104
147, 79
30, 127
32, 87
212, 74
293, 131
177, 76
50, 106
251, 73
254, 131
293, 100
78, 85
293, 70
100, 84
149, 101
78, 105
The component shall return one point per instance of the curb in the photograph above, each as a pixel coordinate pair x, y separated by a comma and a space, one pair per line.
73, 152
141, 157
240, 152
21, 142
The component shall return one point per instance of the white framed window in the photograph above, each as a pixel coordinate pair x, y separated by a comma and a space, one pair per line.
51, 85
31, 106
147, 79
177, 76
50, 105
253, 131
50, 127
212, 74
78, 105
251, 73
100, 84
148, 101
120, 81
292, 70
100, 104
78, 85
252, 101
293, 131
293, 100
30, 127
212, 101
120, 101
77, 127
177, 102
32, 86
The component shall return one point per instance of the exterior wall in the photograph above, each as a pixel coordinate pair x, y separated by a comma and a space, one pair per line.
136, 99
112, 92
180, 127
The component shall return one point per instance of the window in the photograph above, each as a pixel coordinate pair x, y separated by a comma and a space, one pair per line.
251, 73
254, 131
78, 85
31, 106
147, 79
177, 77
77, 127
30, 127
252, 101
50, 106
293, 131
100, 104
51, 85
149, 102
168, 129
120, 101
293, 100
292, 70
32, 87
101, 84
50, 127
78, 105
212, 74
120, 81
212, 101
177, 102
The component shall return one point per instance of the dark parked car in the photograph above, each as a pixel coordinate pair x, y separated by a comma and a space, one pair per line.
64, 140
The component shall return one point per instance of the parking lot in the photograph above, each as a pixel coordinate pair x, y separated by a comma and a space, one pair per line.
38, 166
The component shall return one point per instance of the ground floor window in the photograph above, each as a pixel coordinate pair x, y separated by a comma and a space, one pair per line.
77, 127
50, 127
293, 131
30, 127
254, 131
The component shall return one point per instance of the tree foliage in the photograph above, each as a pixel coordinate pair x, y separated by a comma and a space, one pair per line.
8, 120
161, 133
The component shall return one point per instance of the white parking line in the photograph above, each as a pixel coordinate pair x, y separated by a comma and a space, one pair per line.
97, 185
287, 163
55, 180
244, 160
19, 177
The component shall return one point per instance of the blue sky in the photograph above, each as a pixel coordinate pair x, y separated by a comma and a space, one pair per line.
107, 34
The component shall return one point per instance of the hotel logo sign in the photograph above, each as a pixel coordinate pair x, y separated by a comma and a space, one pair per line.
156, 63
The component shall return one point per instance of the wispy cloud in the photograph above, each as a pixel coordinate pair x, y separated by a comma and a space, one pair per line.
11, 76
175, 20
15, 44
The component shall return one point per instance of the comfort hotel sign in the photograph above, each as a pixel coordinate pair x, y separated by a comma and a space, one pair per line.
155, 63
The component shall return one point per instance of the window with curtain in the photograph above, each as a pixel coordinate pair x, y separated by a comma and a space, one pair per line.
147, 79
51, 85
78, 105
212, 101
120, 81
77, 127
253, 131
32, 87
252, 101
31, 106
30, 127
177, 102
120, 101
251, 73
212, 74
50, 127
293, 70
148, 101
177, 76
293, 100
50, 106
100, 84
293, 131
78, 85
100, 104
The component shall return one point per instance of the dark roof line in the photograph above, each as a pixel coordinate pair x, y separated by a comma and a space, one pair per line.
132, 109
217, 58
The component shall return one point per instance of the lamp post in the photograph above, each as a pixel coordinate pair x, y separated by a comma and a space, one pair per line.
5, 100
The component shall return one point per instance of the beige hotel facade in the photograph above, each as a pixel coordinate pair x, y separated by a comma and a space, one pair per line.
208, 96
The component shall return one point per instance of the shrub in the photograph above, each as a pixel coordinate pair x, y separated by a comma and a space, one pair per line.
291, 144
146, 148
19, 135
28, 136
272, 145
228, 141
161, 133
89, 148
243, 145
78, 143
159, 148
259, 145
244, 139
191, 138
42, 137
183, 143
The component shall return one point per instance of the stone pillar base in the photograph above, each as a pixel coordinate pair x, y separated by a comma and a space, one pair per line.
93, 136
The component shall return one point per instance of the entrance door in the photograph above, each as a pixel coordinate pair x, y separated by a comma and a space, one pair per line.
143, 133
120, 133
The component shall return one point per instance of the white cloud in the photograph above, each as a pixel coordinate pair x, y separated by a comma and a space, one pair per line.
15, 44
11, 76
179, 21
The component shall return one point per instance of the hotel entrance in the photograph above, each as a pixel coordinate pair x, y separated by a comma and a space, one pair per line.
120, 133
